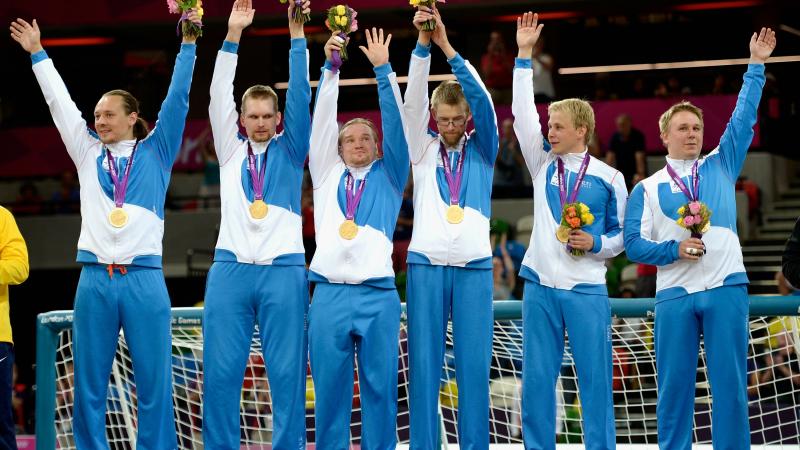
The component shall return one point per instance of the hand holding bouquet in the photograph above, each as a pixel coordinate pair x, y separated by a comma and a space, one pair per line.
341, 21
573, 217
297, 14
188, 27
695, 217
431, 24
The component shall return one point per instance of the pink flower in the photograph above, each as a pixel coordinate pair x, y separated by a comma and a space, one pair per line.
688, 221
697, 219
694, 207
354, 22
173, 7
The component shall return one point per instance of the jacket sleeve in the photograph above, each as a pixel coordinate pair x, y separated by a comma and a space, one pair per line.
738, 135
395, 145
637, 230
221, 106
417, 105
611, 243
324, 151
480, 104
526, 118
297, 121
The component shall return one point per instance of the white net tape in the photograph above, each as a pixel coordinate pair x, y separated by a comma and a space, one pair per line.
773, 373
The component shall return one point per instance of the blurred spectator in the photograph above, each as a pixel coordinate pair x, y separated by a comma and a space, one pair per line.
500, 228
595, 149
638, 89
20, 404
791, 257
543, 87
404, 228
776, 376
646, 281
503, 274
29, 201
626, 151
510, 165
784, 288
497, 65
627, 281
67, 199
753, 192
209, 190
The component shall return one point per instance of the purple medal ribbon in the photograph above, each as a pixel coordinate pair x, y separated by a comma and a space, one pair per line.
256, 177
562, 185
453, 181
352, 197
694, 194
336, 58
120, 185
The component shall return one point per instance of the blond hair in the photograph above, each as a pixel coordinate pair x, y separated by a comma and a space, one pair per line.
449, 93
580, 111
362, 121
664, 120
259, 92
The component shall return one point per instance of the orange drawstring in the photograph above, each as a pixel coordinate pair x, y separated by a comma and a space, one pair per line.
122, 269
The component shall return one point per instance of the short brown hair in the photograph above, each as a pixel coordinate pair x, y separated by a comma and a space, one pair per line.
450, 93
580, 111
663, 122
259, 92
131, 105
362, 121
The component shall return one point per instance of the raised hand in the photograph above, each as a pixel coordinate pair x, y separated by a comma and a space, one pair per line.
295, 27
189, 34
27, 35
335, 43
241, 17
423, 15
377, 49
761, 46
528, 31
439, 35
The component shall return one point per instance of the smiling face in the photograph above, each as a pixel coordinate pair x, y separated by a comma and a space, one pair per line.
564, 137
259, 118
683, 136
111, 121
358, 144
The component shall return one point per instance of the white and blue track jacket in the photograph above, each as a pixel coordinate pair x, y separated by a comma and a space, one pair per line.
139, 242
652, 235
366, 259
277, 238
434, 240
603, 190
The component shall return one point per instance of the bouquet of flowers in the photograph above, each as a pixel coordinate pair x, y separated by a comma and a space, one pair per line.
695, 217
431, 24
342, 20
187, 27
298, 14
573, 217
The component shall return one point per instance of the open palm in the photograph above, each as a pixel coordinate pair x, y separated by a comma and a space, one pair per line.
27, 35
377, 49
762, 44
241, 14
528, 30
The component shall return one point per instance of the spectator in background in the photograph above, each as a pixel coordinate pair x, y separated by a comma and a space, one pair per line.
67, 199
775, 378
503, 273
542, 65
753, 192
626, 151
497, 65
402, 232
13, 270
508, 171
209, 190
29, 201
791, 257
784, 288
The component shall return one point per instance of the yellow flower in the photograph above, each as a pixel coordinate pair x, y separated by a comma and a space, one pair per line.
200, 12
414, 2
680, 221
588, 219
340, 10
681, 210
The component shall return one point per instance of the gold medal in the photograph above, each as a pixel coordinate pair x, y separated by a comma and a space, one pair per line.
348, 229
562, 234
258, 209
118, 217
455, 214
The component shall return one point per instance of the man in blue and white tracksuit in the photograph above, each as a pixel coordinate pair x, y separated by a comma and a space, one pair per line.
701, 284
450, 257
258, 275
124, 171
564, 291
355, 309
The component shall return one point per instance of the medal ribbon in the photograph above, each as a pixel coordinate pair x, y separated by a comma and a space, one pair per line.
453, 181
120, 185
562, 185
256, 177
352, 197
694, 194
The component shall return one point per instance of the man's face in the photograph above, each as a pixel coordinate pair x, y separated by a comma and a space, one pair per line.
358, 146
451, 120
563, 136
684, 136
111, 122
624, 125
259, 119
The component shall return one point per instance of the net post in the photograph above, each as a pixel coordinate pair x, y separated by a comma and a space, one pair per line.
47, 328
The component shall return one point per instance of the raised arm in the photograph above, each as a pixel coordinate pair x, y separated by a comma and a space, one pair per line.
222, 107
395, 147
168, 131
739, 133
478, 98
66, 115
417, 104
324, 150
297, 121
526, 118
14, 267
